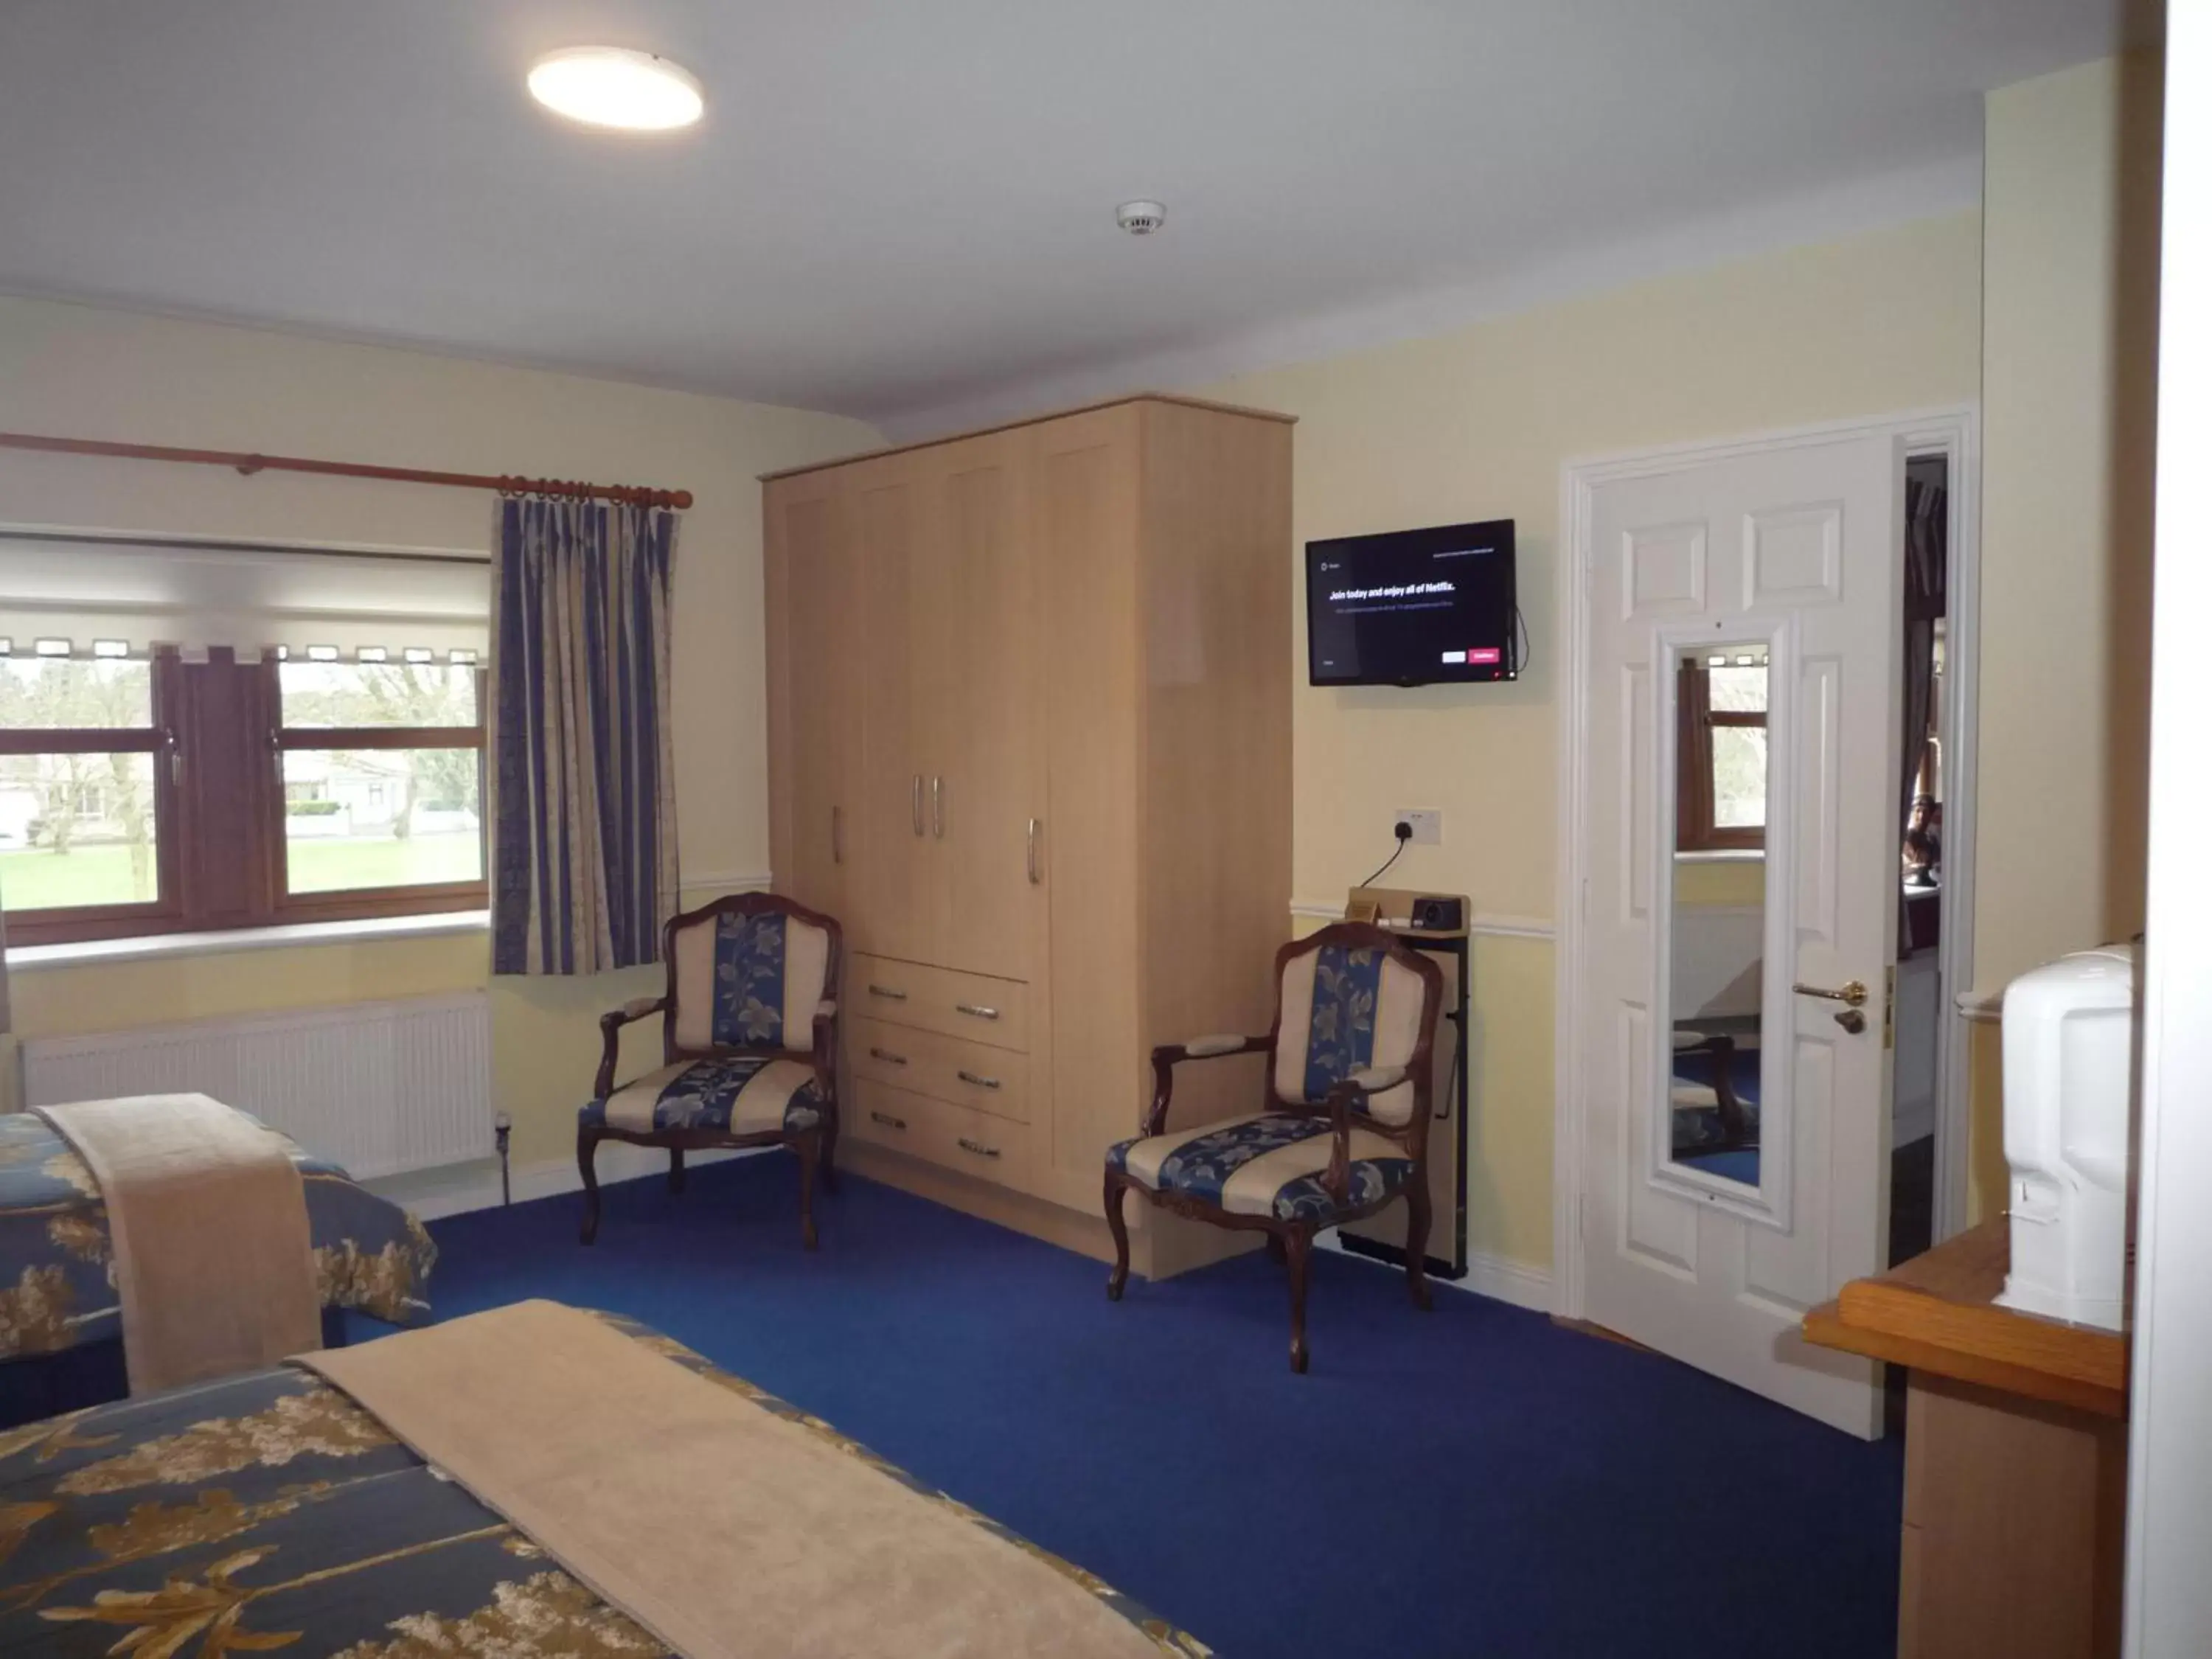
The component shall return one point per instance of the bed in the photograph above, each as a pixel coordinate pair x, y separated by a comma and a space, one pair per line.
56, 1289
269, 1512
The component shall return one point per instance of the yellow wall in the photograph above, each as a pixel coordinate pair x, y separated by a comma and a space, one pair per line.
1733, 883
1477, 424
88, 371
2071, 321
2070, 391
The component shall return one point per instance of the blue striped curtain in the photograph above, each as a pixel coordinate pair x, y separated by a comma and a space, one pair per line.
584, 786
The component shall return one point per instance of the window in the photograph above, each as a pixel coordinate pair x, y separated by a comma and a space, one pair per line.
147, 794
1720, 798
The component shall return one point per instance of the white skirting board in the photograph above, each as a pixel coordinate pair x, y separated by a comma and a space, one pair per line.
1515, 1283
458, 1187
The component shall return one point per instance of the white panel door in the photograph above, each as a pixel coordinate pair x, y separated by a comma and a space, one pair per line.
1707, 1231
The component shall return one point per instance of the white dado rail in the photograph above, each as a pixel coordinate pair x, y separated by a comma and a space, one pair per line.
1484, 924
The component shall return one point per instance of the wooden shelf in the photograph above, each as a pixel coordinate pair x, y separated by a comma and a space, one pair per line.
1938, 1313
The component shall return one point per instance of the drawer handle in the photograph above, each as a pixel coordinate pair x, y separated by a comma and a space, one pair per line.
887, 1120
887, 1056
977, 1148
886, 993
980, 1082
976, 1009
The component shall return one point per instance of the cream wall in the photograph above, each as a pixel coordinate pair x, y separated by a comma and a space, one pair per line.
2068, 413
1477, 424
86, 372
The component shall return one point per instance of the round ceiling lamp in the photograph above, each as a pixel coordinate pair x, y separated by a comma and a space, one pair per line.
615, 86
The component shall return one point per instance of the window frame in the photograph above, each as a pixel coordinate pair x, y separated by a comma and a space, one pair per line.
69, 924
360, 903
1694, 804
219, 831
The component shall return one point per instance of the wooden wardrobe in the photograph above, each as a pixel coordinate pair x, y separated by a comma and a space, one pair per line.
1029, 739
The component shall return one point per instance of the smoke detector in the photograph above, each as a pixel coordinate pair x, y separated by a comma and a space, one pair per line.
1141, 218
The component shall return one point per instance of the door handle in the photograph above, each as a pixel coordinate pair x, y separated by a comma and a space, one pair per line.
1852, 993
1037, 876
917, 802
937, 805
1851, 1020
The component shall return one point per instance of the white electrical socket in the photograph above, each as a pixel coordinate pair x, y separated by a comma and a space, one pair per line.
1428, 825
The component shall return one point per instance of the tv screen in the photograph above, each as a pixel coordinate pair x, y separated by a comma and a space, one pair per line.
1412, 607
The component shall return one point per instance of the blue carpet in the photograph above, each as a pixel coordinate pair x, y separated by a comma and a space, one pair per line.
1472, 1481
1741, 1165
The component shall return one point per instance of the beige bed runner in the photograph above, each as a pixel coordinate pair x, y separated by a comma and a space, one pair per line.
208, 1225
719, 1527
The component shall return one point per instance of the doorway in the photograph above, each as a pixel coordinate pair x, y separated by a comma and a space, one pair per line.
1733, 907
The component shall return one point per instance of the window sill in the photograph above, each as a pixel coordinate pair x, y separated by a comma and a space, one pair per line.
1724, 856
92, 953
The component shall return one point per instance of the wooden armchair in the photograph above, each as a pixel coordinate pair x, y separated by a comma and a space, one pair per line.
1343, 1126
746, 975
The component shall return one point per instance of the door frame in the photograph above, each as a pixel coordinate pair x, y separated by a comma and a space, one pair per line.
1952, 430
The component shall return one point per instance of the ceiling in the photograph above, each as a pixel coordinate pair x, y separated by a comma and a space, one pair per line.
897, 210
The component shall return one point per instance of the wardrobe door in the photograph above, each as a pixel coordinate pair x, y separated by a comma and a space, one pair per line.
820, 651
1087, 534
982, 703
892, 889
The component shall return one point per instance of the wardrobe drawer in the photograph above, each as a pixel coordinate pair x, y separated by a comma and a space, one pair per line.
974, 1074
953, 1137
971, 1005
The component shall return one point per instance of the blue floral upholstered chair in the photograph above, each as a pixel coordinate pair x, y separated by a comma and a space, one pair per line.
748, 1047
1343, 1129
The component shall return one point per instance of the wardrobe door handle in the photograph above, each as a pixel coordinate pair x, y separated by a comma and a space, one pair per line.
977, 1010
917, 802
887, 1120
980, 1082
937, 805
886, 993
1036, 875
887, 1056
836, 834
977, 1148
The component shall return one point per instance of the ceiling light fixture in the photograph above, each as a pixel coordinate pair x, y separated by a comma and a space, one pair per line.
615, 86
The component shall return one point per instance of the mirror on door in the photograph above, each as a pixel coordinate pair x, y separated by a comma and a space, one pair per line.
1717, 929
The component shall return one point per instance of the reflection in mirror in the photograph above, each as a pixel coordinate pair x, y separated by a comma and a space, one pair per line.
1718, 935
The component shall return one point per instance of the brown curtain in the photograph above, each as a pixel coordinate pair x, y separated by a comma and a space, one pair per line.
1693, 759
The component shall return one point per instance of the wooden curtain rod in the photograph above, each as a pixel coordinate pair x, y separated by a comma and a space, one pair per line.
627, 494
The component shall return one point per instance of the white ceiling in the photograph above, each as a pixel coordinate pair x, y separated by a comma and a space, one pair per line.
904, 209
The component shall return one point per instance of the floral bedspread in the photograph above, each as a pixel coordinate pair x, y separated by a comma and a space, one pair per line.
269, 1513
57, 1287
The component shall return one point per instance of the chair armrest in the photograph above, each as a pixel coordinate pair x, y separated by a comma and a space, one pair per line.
610, 1025
1169, 1055
1352, 1092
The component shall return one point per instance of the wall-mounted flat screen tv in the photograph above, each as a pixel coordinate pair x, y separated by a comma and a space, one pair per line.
1412, 607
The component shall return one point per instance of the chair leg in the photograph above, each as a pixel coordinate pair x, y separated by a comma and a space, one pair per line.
1275, 1252
676, 1170
587, 1149
830, 1150
1417, 1239
1117, 1188
1297, 1246
810, 1155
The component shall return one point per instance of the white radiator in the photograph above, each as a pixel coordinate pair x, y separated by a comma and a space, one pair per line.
379, 1087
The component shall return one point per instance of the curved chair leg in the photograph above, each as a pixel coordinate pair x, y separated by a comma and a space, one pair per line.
830, 1150
1417, 1240
810, 1154
1297, 1246
1275, 1252
1117, 1188
587, 1148
675, 1169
